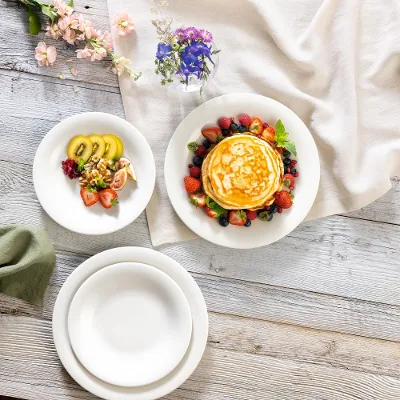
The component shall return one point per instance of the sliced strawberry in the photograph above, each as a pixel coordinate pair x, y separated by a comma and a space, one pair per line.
288, 180
89, 196
198, 199
192, 185
108, 198
237, 218
269, 134
256, 126
210, 213
212, 134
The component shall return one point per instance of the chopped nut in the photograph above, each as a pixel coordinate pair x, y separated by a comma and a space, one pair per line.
108, 172
95, 173
92, 182
96, 158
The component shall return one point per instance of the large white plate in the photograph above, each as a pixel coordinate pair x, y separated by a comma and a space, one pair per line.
130, 324
59, 196
178, 157
199, 320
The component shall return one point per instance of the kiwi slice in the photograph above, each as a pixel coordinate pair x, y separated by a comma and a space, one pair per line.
80, 148
111, 147
99, 145
120, 147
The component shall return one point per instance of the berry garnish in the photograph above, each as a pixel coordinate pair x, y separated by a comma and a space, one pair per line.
256, 126
293, 163
195, 172
198, 199
224, 122
280, 149
190, 165
192, 185
269, 134
247, 223
291, 187
296, 174
245, 119
225, 132
283, 199
201, 151
234, 127
70, 168
206, 144
265, 125
213, 135
108, 198
251, 215
288, 180
286, 153
210, 213
193, 146
197, 161
286, 161
293, 171
273, 208
237, 218
223, 221
242, 128
89, 196
280, 210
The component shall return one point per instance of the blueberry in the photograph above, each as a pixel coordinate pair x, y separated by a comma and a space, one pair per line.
273, 209
248, 223
293, 171
286, 161
197, 161
234, 127
242, 128
225, 132
223, 221
270, 216
206, 144
286, 153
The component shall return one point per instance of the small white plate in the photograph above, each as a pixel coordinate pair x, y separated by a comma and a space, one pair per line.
178, 157
59, 196
193, 296
130, 324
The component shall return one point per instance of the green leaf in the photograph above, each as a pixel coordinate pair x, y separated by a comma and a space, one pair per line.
100, 182
81, 164
70, 3
193, 146
91, 188
214, 206
220, 137
49, 12
34, 21
242, 215
215, 51
114, 202
279, 128
290, 146
194, 201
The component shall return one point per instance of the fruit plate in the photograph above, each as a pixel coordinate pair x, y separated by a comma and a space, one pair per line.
178, 157
59, 196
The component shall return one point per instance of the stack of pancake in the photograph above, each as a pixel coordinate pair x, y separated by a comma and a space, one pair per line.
242, 172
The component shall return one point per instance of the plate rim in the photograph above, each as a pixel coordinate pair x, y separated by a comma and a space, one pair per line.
199, 330
53, 131
165, 277
183, 218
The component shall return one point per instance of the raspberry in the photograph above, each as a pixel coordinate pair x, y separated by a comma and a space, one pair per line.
245, 120
224, 122
296, 174
195, 172
265, 125
251, 215
201, 151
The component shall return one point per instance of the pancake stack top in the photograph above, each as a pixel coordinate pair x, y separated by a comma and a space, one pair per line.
242, 172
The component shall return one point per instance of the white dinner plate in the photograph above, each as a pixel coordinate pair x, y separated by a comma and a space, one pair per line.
197, 308
178, 157
59, 195
130, 324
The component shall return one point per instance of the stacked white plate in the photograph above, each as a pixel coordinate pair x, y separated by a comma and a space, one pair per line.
130, 323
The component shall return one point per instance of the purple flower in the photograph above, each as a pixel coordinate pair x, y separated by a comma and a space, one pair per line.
191, 33
188, 70
205, 36
163, 50
180, 35
190, 55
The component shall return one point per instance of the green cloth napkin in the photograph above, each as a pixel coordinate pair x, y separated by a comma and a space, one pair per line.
27, 260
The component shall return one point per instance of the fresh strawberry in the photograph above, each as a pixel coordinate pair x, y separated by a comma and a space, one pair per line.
192, 185
256, 126
89, 196
245, 120
237, 218
198, 199
251, 215
269, 134
108, 198
194, 171
280, 149
283, 199
212, 134
288, 180
224, 123
201, 151
210, 213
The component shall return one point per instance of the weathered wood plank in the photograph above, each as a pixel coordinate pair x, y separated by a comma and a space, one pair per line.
19, 53
221, 374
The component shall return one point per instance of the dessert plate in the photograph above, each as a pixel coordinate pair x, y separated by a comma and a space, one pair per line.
193, 296
59, 196
130, 324
178, 157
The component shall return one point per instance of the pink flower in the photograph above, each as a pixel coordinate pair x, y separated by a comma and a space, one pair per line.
70, 36
71, 22
45, 55
53, 31
123, 24
73, 70
98, 54
119, 65
84, 53
62, 9
106, 41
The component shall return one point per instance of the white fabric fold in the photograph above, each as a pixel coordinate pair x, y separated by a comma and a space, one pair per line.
335, 63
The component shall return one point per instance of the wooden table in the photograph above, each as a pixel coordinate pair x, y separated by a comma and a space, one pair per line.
314, 316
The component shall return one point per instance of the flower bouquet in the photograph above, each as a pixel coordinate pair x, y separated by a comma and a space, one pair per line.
185, 58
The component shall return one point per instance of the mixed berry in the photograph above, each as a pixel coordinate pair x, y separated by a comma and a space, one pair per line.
277, 137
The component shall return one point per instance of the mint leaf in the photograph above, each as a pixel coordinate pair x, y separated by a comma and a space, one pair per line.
100, 182
34, 21
193, 146
214, 206
280, 132
92, 189
114, 202
290, 146
81, 164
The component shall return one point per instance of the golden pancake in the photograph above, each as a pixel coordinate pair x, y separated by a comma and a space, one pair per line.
242, 172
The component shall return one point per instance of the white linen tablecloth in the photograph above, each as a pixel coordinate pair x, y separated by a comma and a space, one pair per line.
335, 63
